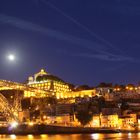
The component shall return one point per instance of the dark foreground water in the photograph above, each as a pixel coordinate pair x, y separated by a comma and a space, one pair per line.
118, 136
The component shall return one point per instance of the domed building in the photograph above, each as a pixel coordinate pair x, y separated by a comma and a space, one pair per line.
46, 81
60, 89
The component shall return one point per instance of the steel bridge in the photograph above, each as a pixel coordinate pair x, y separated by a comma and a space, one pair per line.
7, 85
10, 112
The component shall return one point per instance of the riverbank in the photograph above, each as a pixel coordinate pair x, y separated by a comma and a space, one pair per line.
48, 129
24, 129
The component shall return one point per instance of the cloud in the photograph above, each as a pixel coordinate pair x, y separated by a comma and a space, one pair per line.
106, 43
25, 25
99, 49
22, 24
108, 57
115, 67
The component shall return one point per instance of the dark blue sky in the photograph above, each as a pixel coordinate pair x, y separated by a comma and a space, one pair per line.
82, 42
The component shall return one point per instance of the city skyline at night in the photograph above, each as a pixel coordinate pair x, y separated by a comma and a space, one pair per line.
81, 42
69, 69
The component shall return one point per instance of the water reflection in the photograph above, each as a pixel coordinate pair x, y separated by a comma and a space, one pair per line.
30, 136
13, 137
43, 136
96, 136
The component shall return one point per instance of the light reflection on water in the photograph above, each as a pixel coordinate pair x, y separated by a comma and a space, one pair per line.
116, 136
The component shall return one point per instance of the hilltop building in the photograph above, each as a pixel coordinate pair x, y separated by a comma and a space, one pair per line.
45, 81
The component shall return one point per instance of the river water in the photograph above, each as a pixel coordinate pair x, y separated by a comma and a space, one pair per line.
118, 136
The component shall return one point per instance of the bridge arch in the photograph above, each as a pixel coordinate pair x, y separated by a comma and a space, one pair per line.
7, 110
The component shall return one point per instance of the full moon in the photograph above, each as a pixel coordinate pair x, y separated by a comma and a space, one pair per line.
11, 57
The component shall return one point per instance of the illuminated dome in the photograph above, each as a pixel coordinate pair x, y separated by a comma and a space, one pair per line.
44, 76
48, 77
44, 80
41, 73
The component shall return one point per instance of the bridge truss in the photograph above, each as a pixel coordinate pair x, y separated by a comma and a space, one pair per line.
10, 112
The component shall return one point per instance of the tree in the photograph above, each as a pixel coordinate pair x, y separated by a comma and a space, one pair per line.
103, 84
71, 86
124, 105
130, 85
82, 87
84, 116
101, 102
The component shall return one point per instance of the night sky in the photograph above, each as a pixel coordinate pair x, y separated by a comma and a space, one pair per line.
80, 41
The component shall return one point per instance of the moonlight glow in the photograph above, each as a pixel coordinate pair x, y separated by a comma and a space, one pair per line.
11, 57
